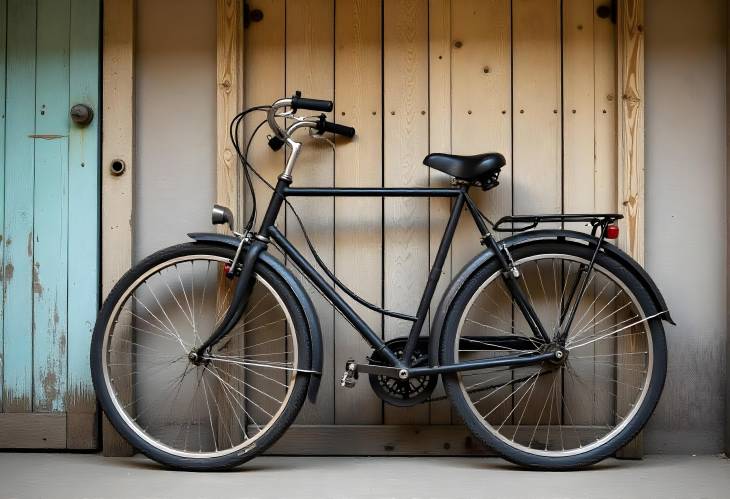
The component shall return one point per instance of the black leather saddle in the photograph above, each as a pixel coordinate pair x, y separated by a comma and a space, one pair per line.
483, 168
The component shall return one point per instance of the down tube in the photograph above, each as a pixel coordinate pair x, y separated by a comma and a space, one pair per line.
360, 325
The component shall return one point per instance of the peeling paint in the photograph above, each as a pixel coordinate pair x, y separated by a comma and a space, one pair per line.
48, 136
50, 387
62, 344
37, 286
16, 403
8, 273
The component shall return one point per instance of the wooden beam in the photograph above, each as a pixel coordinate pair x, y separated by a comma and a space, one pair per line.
117, 151
379, 440
229, 97
631, 147
631, 126
33, 430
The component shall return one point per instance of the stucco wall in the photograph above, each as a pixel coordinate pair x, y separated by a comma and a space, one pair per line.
685, 180
175, 66
685, 215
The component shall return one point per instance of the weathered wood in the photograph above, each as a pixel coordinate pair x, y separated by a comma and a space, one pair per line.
537, 176
33, 431
481, 66
116, 191
229, 54
379, 440
3, 75
631, 126
310, 68
83, 237
229, 90
631, 146
439, 114
358, 237
50, 210
579, 184
18, 233
405, 144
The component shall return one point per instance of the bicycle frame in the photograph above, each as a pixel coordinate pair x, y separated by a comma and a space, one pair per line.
268, 232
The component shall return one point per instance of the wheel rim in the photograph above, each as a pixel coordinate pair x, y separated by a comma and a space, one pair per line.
565, 408
215, 407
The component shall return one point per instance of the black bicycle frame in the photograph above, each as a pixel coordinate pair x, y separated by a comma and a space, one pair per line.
268, 232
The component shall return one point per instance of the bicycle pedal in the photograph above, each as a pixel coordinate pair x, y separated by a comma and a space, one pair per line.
349, 377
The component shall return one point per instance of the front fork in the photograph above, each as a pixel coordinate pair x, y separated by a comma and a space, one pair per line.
258, 245
240, 296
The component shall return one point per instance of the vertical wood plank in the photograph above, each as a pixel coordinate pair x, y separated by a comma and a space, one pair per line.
605, 110
631, 126
631, 154
19, 164
310, 68
264, 83
229, 90
578, 169
83, 231
481, 102
229, 52
405, 144
537, 177
605, 151
50, 211
358, 257
3, 74
439, 114
116, 191
537, 136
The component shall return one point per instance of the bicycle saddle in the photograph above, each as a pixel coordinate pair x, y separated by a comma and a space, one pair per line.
469, 168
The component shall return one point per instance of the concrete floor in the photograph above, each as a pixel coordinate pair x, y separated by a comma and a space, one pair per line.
31, 475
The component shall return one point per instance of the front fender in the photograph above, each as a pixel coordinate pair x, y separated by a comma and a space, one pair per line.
310, 313
524, 238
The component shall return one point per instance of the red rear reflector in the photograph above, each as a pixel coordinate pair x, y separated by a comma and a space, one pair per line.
612, 231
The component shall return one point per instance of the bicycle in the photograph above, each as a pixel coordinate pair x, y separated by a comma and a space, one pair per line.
550, 343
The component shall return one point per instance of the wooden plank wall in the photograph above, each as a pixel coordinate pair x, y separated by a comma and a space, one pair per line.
532, 79
50, 185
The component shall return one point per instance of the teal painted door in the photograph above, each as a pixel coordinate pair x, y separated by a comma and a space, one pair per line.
50, 221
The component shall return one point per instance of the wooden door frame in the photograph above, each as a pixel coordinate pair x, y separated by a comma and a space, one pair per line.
117, 203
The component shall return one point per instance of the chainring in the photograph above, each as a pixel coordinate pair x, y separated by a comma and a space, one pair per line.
403, 393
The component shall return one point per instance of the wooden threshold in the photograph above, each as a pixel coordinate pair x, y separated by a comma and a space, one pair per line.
24, 430
379, 440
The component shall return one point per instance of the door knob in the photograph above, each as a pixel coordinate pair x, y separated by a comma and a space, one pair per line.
81, 114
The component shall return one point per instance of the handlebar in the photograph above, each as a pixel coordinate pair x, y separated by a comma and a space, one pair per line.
299, 102
284, 137
327, 126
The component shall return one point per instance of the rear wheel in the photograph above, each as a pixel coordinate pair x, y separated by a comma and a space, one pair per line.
191, 413
569, 413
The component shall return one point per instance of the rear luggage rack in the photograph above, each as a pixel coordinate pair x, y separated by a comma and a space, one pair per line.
531, 221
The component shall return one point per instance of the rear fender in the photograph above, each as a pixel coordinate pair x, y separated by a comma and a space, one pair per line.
522, 239
314, 330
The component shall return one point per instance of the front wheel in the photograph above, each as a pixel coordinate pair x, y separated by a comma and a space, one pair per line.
192, 413
565, 414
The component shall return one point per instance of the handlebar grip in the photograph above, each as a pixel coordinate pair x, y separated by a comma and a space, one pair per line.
298, 102
328, 126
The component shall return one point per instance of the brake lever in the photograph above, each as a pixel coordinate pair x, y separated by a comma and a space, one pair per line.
313, 133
